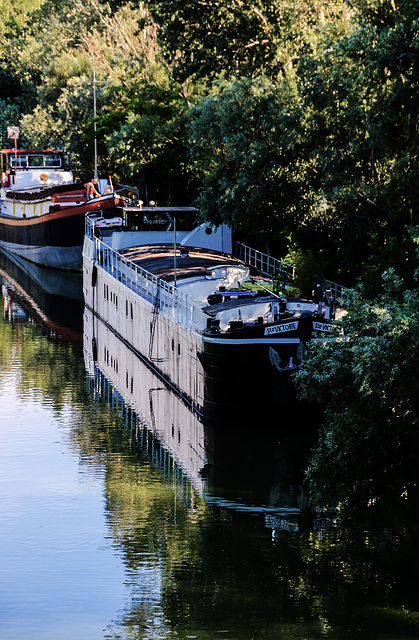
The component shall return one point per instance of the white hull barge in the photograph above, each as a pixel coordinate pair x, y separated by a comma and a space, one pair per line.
178, 299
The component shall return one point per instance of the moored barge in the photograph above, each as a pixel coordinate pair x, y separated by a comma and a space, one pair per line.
42, 209
174, 294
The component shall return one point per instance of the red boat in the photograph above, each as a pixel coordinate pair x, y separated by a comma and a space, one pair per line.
42, 210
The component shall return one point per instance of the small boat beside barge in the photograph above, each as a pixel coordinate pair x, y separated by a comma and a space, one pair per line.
173, 292
42, 210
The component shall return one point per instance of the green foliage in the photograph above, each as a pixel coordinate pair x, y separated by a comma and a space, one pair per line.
146, 142
294, 121
247, 38
306, 264
319, 154
361, 132
381, 252
53, 63
366, 460
244, 139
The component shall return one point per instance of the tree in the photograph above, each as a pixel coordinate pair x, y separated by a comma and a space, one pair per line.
361, 129
55, 56
146, 142
242, 37
365, 377
245, 139
324, 154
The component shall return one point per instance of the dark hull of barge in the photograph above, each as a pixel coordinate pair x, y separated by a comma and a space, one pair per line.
250, 374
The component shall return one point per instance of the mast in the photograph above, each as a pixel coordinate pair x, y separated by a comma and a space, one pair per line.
94, 117
95, 82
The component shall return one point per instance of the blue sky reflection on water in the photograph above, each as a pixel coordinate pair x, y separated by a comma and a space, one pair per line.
60, 577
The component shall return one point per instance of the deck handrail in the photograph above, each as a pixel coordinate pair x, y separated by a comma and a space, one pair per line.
337, 291
266, 264
279, 269
171, 301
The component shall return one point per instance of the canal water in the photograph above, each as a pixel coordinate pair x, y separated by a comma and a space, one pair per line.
125, 516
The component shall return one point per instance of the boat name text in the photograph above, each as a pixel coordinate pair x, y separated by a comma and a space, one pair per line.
322, 326
281, 328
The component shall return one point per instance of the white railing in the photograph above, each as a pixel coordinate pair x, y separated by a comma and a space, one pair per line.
336, 290
277, 269
166, 298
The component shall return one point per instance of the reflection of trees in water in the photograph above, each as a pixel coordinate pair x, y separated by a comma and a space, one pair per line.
199, 570
47, 370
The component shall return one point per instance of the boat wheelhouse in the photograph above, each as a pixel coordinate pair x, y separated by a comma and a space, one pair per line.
31, 173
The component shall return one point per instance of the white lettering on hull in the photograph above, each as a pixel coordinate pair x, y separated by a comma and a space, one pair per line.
281, 328
322, 326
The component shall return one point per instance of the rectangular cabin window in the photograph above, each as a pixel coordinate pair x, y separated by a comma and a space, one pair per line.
132, 312
126, 379
178, 348
36, 161
132, 385
53, 160
126, 308
19, 161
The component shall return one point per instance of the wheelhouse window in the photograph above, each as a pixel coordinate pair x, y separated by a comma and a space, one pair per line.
36, 160
53, 160
19, 161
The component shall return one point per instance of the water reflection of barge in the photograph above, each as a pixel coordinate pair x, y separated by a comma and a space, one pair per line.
181, 301
241, 468
51, 298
